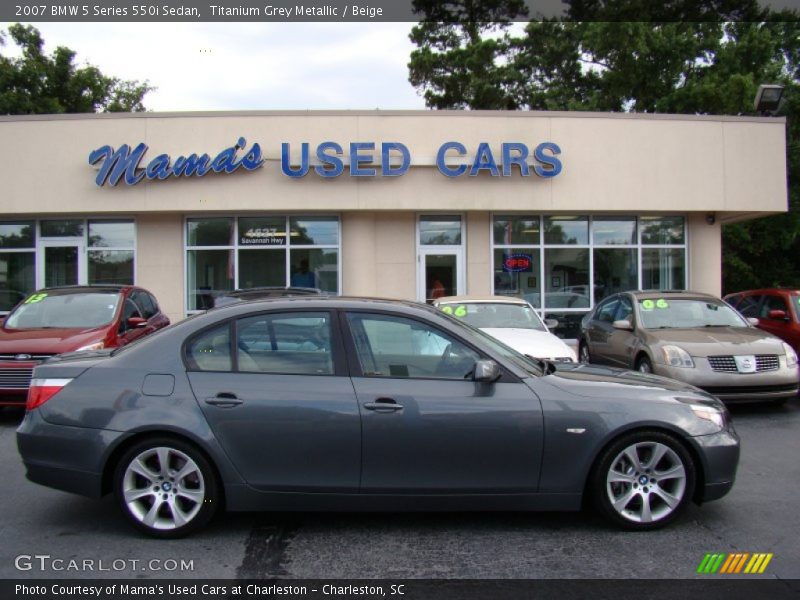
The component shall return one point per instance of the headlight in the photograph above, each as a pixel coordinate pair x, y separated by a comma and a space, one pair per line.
676, 356
93, 346
791, 355
708, 413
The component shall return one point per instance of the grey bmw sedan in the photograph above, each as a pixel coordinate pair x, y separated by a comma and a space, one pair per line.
325, 403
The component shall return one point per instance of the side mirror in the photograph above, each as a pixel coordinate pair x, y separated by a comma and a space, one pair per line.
778, 315
134, 322
551, 323
623, 324
753, 321
486, 371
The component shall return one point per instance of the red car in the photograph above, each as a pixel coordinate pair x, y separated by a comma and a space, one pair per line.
777, 311
67, 319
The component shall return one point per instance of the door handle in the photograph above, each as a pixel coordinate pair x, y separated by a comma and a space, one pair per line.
224, 400
384, 405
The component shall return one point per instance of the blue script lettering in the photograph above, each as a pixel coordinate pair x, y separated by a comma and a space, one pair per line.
124, 163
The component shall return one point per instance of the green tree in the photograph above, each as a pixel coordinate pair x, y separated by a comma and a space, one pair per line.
35, 83
682, 56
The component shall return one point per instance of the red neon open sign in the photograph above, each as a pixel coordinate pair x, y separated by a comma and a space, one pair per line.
517, 262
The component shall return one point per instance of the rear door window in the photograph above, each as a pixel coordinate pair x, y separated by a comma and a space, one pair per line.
297, 343
211, 350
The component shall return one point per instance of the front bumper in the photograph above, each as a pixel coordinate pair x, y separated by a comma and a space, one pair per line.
783, 382
719, 454
65, 458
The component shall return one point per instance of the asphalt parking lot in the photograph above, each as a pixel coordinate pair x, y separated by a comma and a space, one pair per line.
759, 515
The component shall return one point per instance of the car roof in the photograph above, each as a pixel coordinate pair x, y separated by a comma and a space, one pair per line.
325, 302
674, 294
84, 289
467, 299
777, 290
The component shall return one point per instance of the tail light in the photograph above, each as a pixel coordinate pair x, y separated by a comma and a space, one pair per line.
42, 390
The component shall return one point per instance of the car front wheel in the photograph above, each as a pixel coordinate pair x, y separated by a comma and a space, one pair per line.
643, 480
166, 487
583, 353
643, 365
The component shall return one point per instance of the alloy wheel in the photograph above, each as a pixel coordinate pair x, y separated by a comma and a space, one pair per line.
163, 488
646, 482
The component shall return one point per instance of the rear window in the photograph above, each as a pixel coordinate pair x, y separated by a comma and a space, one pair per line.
45, 310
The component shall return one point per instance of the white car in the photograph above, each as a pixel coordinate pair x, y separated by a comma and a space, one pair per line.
511, 320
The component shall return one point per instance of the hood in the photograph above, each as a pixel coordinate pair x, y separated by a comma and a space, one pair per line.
589, 380
47, 341
717, 341
540, 344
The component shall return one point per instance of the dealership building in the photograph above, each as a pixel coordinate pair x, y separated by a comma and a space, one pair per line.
561, 208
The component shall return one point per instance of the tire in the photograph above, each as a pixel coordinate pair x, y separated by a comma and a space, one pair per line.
583, 353
622, 482
166, 487
643, 365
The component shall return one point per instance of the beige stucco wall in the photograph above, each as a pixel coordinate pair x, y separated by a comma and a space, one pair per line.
159, 260
705, 255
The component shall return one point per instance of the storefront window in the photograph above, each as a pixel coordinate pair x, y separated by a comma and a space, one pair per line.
315, 268
262, 231
314, 231
614, 231
18, 235
663, 268
110, 267
567, 278
259, 268
602, 256
111, 234
17, 278
17, 262
509, 230
615, 270
566, 230
113, 264
662, 230
210, 232
516, 273
210, 272
255, 251
62, 228
439, 230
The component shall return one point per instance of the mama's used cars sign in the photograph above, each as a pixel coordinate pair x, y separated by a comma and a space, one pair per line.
363, 159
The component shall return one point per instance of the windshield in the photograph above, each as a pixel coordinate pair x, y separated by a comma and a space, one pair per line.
68, 311
498, 315
479, 338
660, 313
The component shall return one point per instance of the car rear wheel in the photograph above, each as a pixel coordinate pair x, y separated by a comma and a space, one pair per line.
643, 480
166, 487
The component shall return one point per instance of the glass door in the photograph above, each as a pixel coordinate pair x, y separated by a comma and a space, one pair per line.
440, 257
63, 263
439, 274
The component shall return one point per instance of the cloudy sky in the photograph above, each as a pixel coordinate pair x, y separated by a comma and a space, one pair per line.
239, 66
